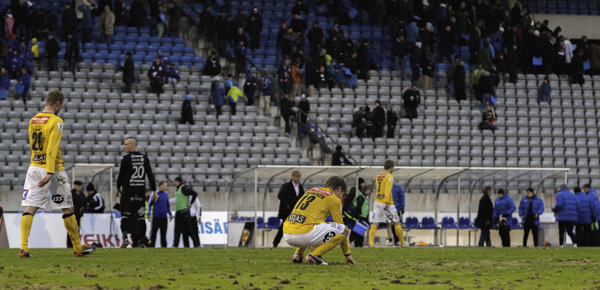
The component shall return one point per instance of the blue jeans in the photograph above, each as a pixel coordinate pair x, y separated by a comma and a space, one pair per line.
486, 98
107, 38
485, 237
22, 29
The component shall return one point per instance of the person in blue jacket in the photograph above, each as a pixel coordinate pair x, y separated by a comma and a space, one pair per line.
504, 207
158, 209
398, 195
218, 98
15, 63
172, 75
530, 209
267, 92
594, 239
4, 82
584, 218
412, 32
565, 210
24, 80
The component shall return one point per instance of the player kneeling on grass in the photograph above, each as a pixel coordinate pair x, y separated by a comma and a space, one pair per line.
306, 227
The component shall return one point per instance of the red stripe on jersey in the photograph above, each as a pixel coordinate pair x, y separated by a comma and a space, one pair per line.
319, 190
40, 120
381, 175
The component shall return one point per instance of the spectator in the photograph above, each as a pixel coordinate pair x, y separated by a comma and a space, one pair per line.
364, 9
358, 209
441, 14
428, 68
458, 80
584, 218
565, 210
335, 31
256, 15
415, 59
158, 209
594, 57
286, 112
321, 78
296, 78
368, 115
172, 76
38, 23
426, 38
128, 73
548, 54
233, 97
25, 81
69, 19
412, 32
576, 68
485, 217
503, 210
240, 57
338, 158
362, 60
358, 123
412, 101
530, 209
310, 78
290, 42
254, 28
474, 44
218, 98
343, 9
137, 14
206, 19
156, 73
284, 74
299, 8
164, 61
120, 13
331, 74
160, 19
486, 88
87, 23
187, 112
484, 56
4, 82
351, 64
488, 119
453, 67
303, 106
250, 88
315, 37
498, 40
280, 35
298, 26
72, 54
544, 91
51, 52
513, 62
15, 63
95, 202
107, 25
377, 12
392, 120
322, 59
289, 195
445, 44
400, 49
374, 59
240, 18
175, 14
596, 205
212, 66
228, 82
182, 204
267, 92
378, 120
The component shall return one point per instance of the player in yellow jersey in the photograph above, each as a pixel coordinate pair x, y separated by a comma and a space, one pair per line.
383, 208
46, 180
306, 227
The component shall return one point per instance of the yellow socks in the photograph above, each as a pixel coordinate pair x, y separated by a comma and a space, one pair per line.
372, 232
300, 251
26, 221
398, 229
324, 248
73, 230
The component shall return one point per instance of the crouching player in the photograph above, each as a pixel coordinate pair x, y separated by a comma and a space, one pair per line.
306, 227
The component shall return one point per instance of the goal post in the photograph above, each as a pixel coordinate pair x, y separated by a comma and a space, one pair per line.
253, 193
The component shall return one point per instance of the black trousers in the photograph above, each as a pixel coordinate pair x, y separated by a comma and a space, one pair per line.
504, 232
218, 110
182, 227
534, 231
583, 234
411, 112
357, 239
594, 237
568, 227
194, 231
378, 131
278, 236
127, 87
233, 105
288, 127
159, 223
390, 132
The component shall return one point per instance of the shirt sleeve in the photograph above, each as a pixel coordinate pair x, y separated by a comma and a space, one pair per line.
54, 145
122, 173
99, 202
335, 207
389, 197
189, 192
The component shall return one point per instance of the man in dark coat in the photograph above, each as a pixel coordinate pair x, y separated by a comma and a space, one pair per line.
303, 106
362, 60
299, 8
285, 105
358, 122
187, 112
392, 120
254, 27
212, 66
577, 68
315, 38
69, 19
458, 80
474, 44
338, 158
485, 217
378, 120
288, 196
412, 101
250, 88
72, 54
548, 55
446, 46
136, 14
51, 52
128, 73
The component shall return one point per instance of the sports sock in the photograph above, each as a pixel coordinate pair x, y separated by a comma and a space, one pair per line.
324, 248
142, 228
372, 232
125, 228
300, 251
73, 230
26, 221
398, 229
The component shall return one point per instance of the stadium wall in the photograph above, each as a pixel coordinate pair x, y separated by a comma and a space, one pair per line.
572, 26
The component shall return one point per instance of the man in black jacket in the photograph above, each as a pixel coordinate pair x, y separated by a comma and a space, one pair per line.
288, 196
358, 123
95, 202
392, 120
299, 8
187, 113
69, 19
446, 45
72, 54
212, 66
412, 100
548, 55
250, 89
51, 52
338, 158
183, 203
284, 75
378, 119
485, 217
128, 73
362, 60
285, 105
254, 27
315, 37
400, 50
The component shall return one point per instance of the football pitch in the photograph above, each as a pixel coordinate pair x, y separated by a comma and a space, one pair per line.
265, 268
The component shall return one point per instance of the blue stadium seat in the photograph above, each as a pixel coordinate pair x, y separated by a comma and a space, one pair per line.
100, 57
464, 223
154, 39
102, 47
448, 223
197, 60
90, 47
412, 223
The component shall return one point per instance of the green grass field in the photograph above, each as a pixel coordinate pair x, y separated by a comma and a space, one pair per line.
409, 268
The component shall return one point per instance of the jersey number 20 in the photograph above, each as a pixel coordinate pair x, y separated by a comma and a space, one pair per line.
138, 172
